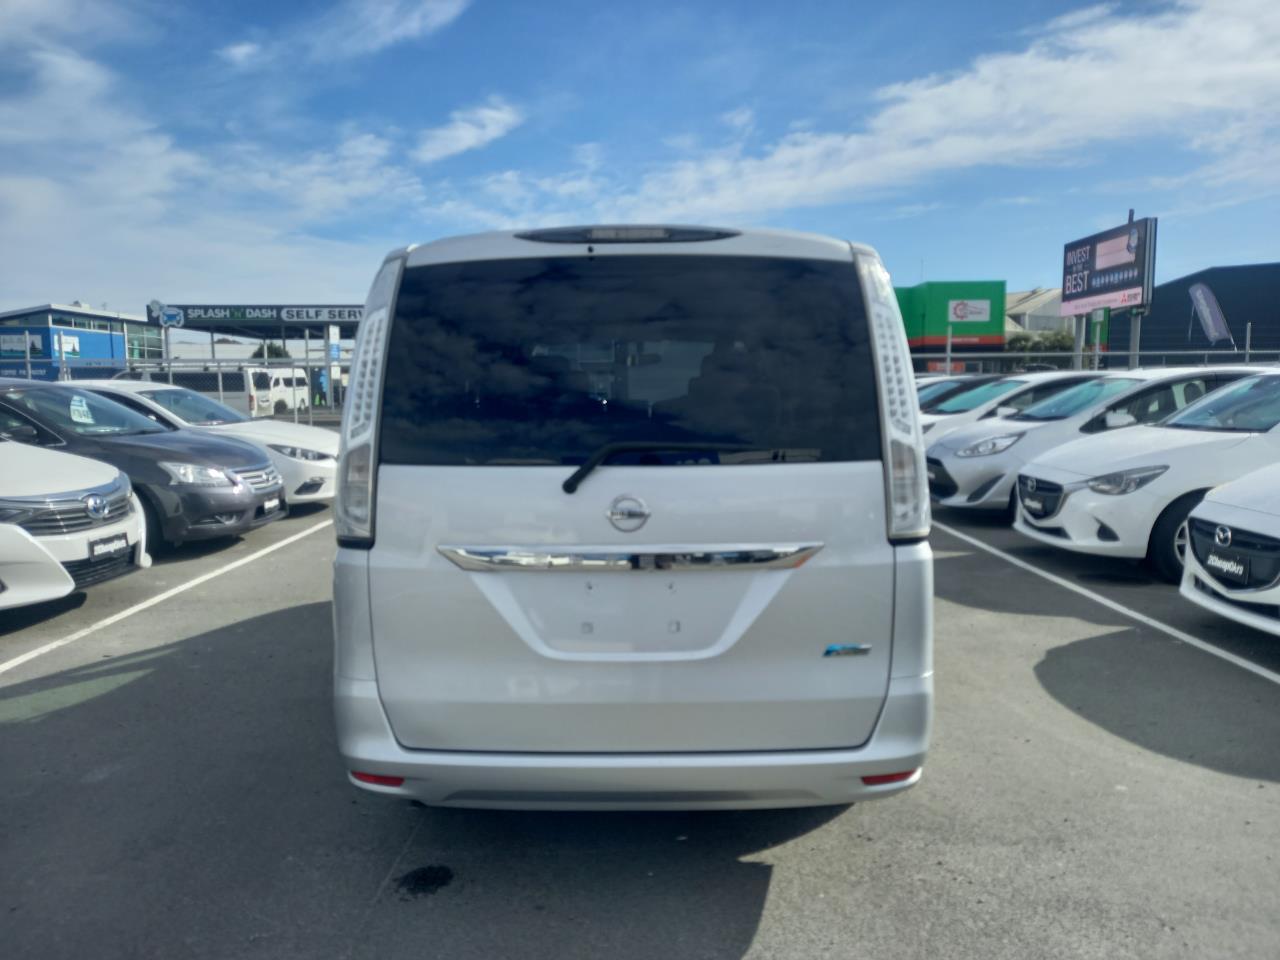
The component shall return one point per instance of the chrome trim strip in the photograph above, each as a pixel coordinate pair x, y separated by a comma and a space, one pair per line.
611, 560
70, 499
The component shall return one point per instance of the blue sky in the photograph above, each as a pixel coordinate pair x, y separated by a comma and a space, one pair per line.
272, 152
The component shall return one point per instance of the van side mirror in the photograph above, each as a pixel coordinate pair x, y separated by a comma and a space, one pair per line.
1118, 418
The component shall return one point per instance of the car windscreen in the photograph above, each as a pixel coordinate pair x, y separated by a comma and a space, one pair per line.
930, 391
1077, 399
1248, 406
969, 399
193, 407
79, 412
544, 360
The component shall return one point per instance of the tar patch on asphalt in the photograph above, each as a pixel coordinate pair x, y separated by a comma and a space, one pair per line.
423, 881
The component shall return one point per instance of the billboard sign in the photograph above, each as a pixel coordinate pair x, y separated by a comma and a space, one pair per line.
248, 315
968, 311
1113, 269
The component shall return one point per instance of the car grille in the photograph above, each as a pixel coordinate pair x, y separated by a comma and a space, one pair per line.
72, 516
941, 485
1261, 609
261, 480
1261, 552
86, 573
1046, 491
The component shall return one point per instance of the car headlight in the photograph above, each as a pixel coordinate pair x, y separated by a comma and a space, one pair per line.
1124, 481
194, 475
299, 453
992, 445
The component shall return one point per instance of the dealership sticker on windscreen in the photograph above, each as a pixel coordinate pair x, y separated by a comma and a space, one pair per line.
80, 411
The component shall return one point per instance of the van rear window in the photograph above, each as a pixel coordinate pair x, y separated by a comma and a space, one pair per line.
541, 361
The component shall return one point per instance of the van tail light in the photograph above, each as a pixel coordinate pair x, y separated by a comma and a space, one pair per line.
356, 498
252, 403
906, 489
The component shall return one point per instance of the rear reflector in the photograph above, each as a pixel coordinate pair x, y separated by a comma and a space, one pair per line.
879, 778
377, 779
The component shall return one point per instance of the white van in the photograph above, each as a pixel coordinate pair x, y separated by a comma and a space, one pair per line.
253, 391
633, 517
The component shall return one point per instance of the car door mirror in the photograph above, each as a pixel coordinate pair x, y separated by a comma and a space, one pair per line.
1006, 411
1118, 418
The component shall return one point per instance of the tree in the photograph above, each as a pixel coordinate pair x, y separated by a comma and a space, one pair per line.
1048, 341
274, 351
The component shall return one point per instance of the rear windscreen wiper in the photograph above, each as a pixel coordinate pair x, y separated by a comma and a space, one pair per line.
607, 450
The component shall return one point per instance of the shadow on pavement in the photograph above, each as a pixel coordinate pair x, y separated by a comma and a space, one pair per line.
19, 618
1134, 682
188, 801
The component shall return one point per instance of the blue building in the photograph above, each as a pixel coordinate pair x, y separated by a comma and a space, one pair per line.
58, 341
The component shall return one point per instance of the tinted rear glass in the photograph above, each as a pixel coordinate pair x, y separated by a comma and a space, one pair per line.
544, 360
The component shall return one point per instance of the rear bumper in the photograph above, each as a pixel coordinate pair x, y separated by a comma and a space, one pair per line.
694, 781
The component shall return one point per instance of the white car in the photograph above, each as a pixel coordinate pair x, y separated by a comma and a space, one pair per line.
305, 456
976, 467
66, 523
632, 517
1003, 397
939, 388
1233, 564
1129, 495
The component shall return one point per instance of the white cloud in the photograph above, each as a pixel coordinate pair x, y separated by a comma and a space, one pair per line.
241, 54
1196, 70
24, 23
468, 129
324, 185
351, 28
357, 27
99, 203
741, 119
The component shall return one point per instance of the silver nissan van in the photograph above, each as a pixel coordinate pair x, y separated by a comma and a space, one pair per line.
632, 517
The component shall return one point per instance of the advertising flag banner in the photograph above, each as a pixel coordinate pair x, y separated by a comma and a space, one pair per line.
1206, 308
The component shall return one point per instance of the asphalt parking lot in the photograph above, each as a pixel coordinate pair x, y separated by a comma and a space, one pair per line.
1099, 786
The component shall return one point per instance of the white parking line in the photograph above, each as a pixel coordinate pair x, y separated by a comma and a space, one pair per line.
1120, 608
159, 598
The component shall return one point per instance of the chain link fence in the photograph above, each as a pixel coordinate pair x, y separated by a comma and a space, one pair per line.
302, 391
1025, 361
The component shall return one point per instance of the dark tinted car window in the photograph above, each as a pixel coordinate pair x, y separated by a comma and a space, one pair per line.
80, 412
544, 360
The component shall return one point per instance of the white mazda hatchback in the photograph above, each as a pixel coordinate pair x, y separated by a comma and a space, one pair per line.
632, 517
1233, 551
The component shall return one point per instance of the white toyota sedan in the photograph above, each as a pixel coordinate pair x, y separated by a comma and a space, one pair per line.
1003, 397
305, 456
66, 522
1233, 560
1130, 495
976, 467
